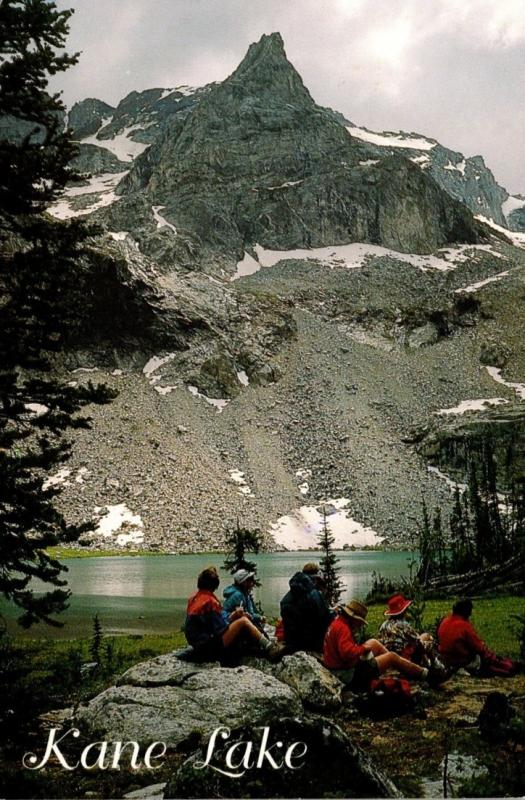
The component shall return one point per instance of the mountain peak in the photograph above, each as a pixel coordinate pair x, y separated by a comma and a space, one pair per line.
269, 46
265, 67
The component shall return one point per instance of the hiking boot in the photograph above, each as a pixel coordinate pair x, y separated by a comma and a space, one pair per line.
274, 652
438, 675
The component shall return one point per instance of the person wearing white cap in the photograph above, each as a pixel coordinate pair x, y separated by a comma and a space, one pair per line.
239, 595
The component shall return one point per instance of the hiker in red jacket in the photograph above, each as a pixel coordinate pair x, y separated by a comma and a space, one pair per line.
210, 629
356, 665
460, 646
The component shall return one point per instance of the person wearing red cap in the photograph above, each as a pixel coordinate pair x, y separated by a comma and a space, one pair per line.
398, 635
356, 665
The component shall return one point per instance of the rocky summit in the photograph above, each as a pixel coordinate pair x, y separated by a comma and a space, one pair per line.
295, 312
259, 162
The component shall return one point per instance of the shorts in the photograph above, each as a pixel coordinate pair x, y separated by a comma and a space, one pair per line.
211, 650
358, 678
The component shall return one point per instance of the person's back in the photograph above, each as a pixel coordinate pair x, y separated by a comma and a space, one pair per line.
305, 615
459, 644
205, 618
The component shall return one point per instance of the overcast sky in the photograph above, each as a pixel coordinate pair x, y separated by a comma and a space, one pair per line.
450, 69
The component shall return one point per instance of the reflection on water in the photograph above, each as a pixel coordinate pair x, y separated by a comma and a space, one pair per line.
149, 594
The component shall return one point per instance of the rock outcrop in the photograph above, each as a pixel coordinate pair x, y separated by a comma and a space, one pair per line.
258, 161
180, 703
333, 766
183, 704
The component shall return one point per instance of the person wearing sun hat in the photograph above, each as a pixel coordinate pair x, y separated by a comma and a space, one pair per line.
398, 635
356, 665
239, 595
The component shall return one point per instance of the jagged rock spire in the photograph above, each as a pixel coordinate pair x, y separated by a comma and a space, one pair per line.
266, 69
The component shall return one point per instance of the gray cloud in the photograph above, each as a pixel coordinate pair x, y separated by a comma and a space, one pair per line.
451, 69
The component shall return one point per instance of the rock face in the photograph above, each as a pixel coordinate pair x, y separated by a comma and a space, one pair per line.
85, 118
333, 766
466, 179
212, 332
447, 443
181, 703
316, 686
97, 160
258, 161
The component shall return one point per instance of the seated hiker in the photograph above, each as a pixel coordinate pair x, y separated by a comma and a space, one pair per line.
239, 595
305, 614
460, 646
210, 629
398, 635
356, 665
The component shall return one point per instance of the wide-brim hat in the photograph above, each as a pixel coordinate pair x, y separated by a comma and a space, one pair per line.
355, 610
397, 605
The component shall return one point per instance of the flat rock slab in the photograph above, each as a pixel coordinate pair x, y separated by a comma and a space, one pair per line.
201, 700
165, 670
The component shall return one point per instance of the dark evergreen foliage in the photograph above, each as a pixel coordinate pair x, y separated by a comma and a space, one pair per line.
39, 301
486, 526
96, 639
329, 564
240, 541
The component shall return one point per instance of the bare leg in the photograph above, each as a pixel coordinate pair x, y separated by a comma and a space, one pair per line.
376, 647
237, 628
393, 661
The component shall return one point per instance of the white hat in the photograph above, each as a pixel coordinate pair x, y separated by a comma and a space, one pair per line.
242, 575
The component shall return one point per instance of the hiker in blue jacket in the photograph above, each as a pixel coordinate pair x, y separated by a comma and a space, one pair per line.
239, 595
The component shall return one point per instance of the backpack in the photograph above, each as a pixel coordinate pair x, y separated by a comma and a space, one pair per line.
389, 696
495, 666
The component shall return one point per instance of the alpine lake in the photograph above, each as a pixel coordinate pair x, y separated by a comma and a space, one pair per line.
148, 594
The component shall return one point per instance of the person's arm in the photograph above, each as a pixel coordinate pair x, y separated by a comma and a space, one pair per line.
476, 644
347, 647
233, 601
220, 619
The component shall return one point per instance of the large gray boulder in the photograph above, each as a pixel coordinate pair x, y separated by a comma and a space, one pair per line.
179, 703
316, 686
333, 766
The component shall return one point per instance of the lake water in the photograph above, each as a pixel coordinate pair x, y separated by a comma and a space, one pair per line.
148, 594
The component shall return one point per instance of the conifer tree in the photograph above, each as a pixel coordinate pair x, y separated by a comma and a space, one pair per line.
240, 541
426, 554
39, 286
329, 563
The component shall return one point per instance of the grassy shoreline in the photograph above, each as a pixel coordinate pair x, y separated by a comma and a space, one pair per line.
492, 617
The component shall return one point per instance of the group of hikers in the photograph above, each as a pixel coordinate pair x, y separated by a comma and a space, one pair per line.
221, 632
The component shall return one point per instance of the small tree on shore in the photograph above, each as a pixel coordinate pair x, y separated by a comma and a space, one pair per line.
329, 563
240, 541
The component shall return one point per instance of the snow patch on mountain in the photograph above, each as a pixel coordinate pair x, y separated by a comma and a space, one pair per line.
391, 139
218, 403
459, 167
124, 148
354, 255
300, 529
517, 239
495, 374
101, 190
480, 284
473, 405
161, 221
120, 518
512, 203
421, 161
